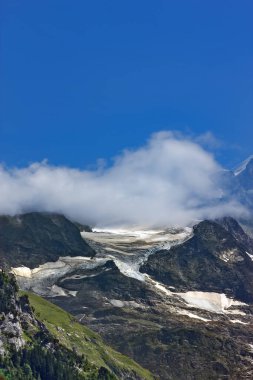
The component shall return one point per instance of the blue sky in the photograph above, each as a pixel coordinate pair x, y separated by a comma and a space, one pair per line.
83, 80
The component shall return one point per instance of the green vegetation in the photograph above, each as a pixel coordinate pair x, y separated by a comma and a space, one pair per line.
38, 363
40, 341
74, 336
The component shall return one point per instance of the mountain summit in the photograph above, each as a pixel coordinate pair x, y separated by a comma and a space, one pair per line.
244, 173
245, 165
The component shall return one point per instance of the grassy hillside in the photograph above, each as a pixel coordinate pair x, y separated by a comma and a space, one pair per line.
79, 338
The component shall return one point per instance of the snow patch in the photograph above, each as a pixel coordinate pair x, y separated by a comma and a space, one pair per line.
22, 271
214, 302
129, 270
73, 293
251, 347
238, 321
119, 303
250, 255
231, 255
158, 285
42, 279
194, 316
58, 291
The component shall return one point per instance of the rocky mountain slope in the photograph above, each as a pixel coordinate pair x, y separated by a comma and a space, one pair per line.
215, 259
36, 238
40, 341
178, 301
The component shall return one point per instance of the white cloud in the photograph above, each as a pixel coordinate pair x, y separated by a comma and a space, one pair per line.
208, 140
169, 181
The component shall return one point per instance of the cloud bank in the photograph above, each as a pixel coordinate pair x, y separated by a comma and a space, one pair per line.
169, 181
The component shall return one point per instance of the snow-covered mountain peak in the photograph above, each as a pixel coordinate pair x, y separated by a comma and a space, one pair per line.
243, 165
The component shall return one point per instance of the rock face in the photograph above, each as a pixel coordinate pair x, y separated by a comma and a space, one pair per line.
234, 228
103, 289
36, 238
215, 259
11, 334
53, 349
179, 302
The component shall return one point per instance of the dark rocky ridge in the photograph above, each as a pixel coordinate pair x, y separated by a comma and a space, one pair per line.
234, 228
36, 238
213, 260
100, 285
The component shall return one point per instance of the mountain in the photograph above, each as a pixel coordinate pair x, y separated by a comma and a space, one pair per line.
216, 259
237, 186
244, 174
178, 301
39, 340
36, 238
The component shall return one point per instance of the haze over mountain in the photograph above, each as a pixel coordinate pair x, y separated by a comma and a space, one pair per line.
171, 180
